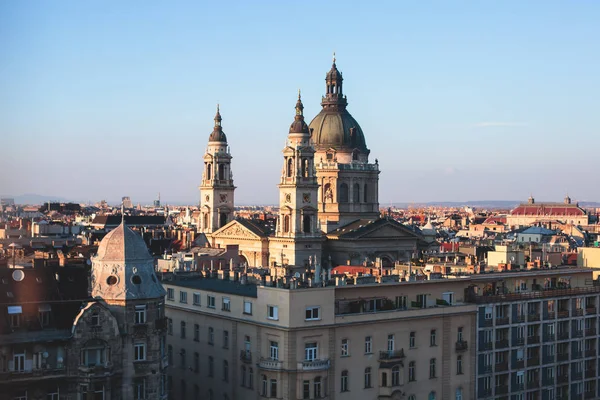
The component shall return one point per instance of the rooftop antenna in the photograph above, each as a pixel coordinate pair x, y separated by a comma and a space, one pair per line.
122, 212
334, 57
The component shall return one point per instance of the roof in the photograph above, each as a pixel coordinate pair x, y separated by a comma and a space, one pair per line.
337, 129
360, 227
131, 220
548, 209
122, 244
256, 226
216, 285
537, 230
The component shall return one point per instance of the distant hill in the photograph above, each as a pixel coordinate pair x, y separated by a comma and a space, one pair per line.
490, 204
32, 198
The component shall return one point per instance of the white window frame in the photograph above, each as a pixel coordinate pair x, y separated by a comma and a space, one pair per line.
311, 351
139, 389
391, 342
247, 307
312, 313
140, 314
196, 299
139, 351
210, 301
273, 312
170, 294
368, 345
226, 306
183, 296
274, 350
345, 348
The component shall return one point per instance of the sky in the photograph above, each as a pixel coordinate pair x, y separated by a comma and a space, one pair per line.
458, 100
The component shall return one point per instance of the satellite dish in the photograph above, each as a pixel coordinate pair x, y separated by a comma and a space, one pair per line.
18, 275
297, 275
45, 354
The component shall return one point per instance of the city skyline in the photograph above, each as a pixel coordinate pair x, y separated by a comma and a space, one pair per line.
135, 102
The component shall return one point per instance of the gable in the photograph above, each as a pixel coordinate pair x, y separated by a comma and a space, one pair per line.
235, 229
387, 231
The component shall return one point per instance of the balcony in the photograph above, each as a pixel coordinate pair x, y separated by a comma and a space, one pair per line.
484, 393
562, 379
140, 330
518, 387
576, 354
533, 340
590, 394
533, 384
590, 373
501, 389
502, 321
533, 317
33, 375
562, 356
96, 370
590, 353
540, 293
486, 369
391, 355
519, 364
549, 337
519, 341
313, 365
501, 367
563, 314
519, 318
576, 376
550, 315
487, 323
161, 324
270, 364
563, 335
486, 346
246, 356
590, 310
461, 346
533, 361
590, 332
578, 312
548, 382
578, 334
501, 344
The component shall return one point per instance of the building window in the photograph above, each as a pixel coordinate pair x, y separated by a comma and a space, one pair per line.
196, 333
182, 360
274, 353
390, 342
344, 381
248, 307
368, 382
273, 388
94, 353
411, 372
396, 375
368, 345
225, 371
264, 386
170, 326
183, 389
272, 312
52, 396
225, 339
459, 335
211, 335
343, 193
182, 296
384, 382
183, 329
412, 397
459, 366
250, 378
44, 314
432, 338
140, 314
170, 294
311, 351
196, 299
139, 352
345, 348
488, 313
95, 319
243, 375
211, 366
226, 304
313, 313
196, 362
306, 389
431, 396
458, 394
411, 340
170, 354
317, 391
210, 301
432, 368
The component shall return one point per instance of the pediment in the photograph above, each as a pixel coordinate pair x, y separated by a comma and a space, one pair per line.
235, 229
384, 230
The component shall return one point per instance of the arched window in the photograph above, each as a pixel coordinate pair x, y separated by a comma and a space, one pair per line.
205, 222
459, 394
222, 172
243, 375
290, 167
368, 377
355, 155
317, 387
306, 224
209, 171
263, 388
365, 194
431, 395
286, 223
396, 375
344, 381
222, 219
327, 193
343, 196
356, 193
305, 168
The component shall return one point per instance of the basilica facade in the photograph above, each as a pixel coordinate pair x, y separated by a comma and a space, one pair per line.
328, 196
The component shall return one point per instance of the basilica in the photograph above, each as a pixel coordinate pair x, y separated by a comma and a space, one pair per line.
328, 196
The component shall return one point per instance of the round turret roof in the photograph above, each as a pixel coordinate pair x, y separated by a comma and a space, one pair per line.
337, 129
122, 244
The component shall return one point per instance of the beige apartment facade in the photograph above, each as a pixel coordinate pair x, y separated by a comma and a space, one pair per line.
367, 341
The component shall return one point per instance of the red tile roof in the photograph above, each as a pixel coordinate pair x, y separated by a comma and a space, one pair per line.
562, 210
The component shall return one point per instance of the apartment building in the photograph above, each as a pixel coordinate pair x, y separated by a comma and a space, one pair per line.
537, 335
367, 340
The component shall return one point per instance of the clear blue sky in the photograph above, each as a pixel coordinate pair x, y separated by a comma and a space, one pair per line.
458, 100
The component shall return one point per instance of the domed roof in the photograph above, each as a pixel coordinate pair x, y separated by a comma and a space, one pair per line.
337, 129
299, 125
122, 244
217, 134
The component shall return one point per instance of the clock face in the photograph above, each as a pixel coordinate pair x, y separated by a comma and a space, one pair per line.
223, 198
288, 198
306, 197
207, 198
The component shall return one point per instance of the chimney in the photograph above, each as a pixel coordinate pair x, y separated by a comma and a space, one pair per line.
318, 273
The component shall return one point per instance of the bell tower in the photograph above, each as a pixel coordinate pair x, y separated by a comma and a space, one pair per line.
298, 234
216, 189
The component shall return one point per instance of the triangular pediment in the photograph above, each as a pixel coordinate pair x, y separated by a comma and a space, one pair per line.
386, 231
235, 229
377, 229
